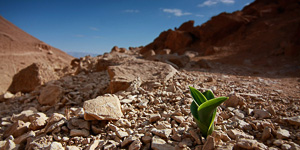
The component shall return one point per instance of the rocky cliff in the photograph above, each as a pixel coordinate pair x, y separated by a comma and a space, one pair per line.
263, 33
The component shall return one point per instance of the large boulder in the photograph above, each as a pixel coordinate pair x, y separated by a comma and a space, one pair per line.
107, 107
122, 76
32, 76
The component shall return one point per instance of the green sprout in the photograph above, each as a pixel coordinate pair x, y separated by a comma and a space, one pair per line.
204, 109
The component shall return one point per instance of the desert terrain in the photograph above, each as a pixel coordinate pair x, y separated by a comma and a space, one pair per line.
139, 98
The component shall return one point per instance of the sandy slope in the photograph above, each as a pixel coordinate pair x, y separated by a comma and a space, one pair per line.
18, 50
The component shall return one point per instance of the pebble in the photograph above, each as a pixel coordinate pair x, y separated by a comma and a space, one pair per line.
77, 132
154, 117
163, 133
209, 144
179, 119
266, 134
160, 144
234, 133
247, 143
121, 134
135, 145
286, 146
195, 135
282, 134
261, 114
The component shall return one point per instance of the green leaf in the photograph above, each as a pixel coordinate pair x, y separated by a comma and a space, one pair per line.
209, 94
203, 128
206, 111
211, 126
198, 97
194, 109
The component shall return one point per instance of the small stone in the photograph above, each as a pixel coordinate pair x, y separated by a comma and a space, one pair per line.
24, 115
234, 100
163, 125
262, 145
24, 137
266, 134
113, 127
261, 114
65, 139
8, 95
176, 137
126, 101
38, 121
128, 140
244, 125
271, 110
209, 144
93, 145
247, 143
234, 133
54, 126
82, 132
278, 142
238, 113
179, 119
225, 147
79, 123
50, 95
209, 79
105, 107
154, 117
283, 134
56, 146
146, 139
110, 147
163, 133
136, 145
143, 104
220, 135
17, 129
121, 134
286, 146
10, 145
160, 144
195, 135
293, 120
55, 118
72, 148
294, 146
123, 123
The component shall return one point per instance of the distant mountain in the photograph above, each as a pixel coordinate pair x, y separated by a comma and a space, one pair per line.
18, 50
82, 54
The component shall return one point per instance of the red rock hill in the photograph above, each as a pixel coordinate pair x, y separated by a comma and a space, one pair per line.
264, 33
18, 50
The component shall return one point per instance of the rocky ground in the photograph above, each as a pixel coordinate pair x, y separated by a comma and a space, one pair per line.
120, 101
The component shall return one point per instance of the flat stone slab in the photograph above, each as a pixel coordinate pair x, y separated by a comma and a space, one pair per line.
105, 107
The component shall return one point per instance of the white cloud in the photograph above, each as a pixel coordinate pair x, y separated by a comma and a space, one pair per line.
208, 3
131, 11
214, 2
247, 4
227, 1
94, 28
176, 12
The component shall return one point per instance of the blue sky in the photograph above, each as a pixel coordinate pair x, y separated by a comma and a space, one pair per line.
95, 26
